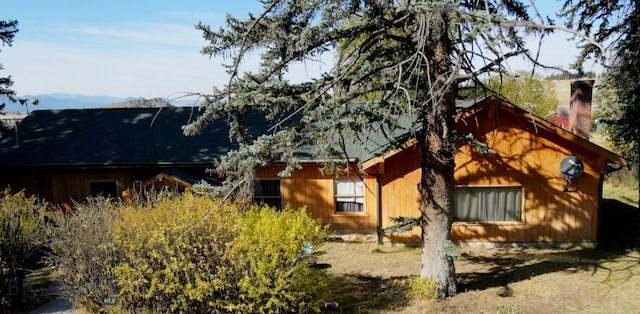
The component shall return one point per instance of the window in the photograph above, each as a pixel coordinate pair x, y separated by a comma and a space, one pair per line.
267, 192
106, 188
349, 196
487, 204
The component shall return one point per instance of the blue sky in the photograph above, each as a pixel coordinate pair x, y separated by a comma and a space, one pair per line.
135, 48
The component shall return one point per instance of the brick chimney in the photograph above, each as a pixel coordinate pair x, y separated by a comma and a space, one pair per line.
580, 108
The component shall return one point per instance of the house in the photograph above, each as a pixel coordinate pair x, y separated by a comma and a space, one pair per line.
9, 119
541, 185
68, 155
520, 193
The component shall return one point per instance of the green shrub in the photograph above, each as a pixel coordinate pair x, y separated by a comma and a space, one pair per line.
509, 309
83, 253
422, 288
22, 227
273, 276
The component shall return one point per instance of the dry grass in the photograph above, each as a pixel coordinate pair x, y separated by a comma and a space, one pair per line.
622, 192
371, 279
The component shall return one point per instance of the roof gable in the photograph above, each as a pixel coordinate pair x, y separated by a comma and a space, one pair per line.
542, 124
469, 111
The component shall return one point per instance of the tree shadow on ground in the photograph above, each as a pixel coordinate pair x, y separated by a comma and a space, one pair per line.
618, 234
364, 294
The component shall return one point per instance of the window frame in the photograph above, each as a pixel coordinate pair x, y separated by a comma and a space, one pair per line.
356, 196
259, 199
520, 220
103, 181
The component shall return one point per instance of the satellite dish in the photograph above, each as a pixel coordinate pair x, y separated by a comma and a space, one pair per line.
571, 167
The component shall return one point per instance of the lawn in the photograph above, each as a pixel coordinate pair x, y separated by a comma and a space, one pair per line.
374, 279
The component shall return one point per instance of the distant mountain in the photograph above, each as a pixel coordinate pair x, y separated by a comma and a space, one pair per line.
59, 101
73, 101
141, 103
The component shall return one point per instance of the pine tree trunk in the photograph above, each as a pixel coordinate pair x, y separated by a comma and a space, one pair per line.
436, 190
437, 163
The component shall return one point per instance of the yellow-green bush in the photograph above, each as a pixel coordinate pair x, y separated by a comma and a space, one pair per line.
22, 234
273, 276
175, 254
422, 288
190, 254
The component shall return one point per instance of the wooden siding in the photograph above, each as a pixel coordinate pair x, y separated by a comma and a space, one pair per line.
61, 187
310, 188
528, 154
525, 155
399, 189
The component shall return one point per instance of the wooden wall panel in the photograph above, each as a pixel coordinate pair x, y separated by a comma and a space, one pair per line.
62, 186
309, 187
530, 157
524, 155
400, 195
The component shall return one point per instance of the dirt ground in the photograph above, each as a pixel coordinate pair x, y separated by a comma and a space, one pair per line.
372, 279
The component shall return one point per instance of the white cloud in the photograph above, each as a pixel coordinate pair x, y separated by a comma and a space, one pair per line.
132, 33
39, 68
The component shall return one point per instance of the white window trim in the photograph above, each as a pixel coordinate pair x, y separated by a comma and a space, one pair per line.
355, 196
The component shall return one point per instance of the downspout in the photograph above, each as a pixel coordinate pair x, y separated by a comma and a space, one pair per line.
378, 210
600, 209
378, 206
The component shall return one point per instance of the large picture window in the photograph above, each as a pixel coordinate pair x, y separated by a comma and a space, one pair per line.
267, 192
487, 204
349, 196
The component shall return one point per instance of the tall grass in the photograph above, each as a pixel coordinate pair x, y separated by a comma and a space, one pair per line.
622, 185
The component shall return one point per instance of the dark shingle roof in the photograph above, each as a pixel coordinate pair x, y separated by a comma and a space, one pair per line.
112, 137
143, 136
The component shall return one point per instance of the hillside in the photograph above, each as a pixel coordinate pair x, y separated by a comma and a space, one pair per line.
58, 101
74, 101
141, 103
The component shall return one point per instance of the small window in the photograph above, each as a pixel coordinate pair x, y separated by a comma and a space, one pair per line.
349, 196
106, 188
487, 204
267, 192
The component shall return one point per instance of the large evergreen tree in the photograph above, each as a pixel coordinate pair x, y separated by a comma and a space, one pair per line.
8, 30
616, 22
392, 58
